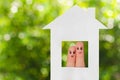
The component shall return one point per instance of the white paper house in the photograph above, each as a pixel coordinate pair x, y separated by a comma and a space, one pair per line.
76, 24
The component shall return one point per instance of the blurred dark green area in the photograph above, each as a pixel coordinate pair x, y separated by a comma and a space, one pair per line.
25, 47
65, 47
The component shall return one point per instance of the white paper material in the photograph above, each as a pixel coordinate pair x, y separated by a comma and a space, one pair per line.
75, 25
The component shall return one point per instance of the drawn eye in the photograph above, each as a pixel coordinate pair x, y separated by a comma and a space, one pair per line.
81, 48
77, 48
70, 52
73, 52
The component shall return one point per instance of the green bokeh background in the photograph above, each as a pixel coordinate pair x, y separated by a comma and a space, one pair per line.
65, 47
25, 47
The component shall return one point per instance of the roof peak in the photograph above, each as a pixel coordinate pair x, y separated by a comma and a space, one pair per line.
75, 15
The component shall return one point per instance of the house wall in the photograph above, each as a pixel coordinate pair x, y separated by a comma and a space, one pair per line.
60, 73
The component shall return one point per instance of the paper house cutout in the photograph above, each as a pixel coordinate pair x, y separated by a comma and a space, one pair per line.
75, 25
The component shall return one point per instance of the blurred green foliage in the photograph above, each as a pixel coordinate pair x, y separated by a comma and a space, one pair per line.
25, 47
65, 47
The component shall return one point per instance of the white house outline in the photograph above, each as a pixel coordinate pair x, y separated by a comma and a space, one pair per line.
75, 25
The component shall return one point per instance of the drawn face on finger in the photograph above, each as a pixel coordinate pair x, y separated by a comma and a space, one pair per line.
79, 47
72, 52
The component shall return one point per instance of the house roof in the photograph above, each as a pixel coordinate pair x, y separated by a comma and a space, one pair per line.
76, 17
